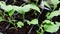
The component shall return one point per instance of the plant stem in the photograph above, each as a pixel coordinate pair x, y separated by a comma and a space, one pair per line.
29, 1
23, 17
12, 23
40, 28
36, 4
54, 7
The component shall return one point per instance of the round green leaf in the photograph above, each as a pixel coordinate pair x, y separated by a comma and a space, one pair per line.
34, 21
51, 28
20, 24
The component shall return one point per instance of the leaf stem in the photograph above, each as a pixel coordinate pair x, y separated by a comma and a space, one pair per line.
40, 28
36, 4
23, 15
12, 23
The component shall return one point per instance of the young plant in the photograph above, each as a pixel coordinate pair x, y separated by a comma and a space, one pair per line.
47, 25
34, 22
22, 10
9, 9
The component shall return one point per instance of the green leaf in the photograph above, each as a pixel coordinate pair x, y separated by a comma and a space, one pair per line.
19, 9
7, 8
33, 6
46, 4
1, 19
20, 24
55, 2
4, 7
0, 12
51, 28
54, 13
28, 7
34, 21
59, 9
57, 23
11, 13
47, 15
48, 22
28, 22
2, 3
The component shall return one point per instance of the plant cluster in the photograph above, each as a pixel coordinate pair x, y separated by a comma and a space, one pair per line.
47, 25
10, 9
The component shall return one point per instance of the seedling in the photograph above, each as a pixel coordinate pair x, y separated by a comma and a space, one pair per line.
22, 10
47, 24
